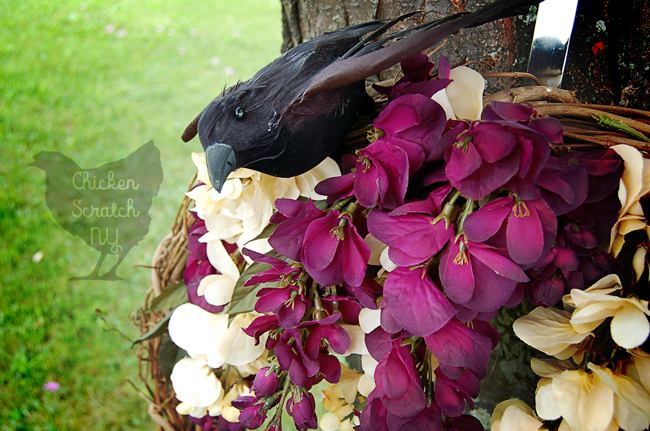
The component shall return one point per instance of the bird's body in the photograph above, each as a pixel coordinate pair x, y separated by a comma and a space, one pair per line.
297, 110
108, 207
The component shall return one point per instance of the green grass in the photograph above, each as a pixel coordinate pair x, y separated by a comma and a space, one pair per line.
68, 85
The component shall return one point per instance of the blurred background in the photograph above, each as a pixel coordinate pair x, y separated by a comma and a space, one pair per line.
95, 80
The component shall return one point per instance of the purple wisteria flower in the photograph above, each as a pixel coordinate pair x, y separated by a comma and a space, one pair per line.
563, 184
333, 251
303, 411
294, 217
265, 383
279, 271
410, 231
253, 412
574, 262
398, 383
415, 302
415, 80
310, 364
379, 178
287, 304
526, 228
477, 275
414, 123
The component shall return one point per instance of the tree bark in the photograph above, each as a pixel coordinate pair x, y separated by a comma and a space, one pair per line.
501, 46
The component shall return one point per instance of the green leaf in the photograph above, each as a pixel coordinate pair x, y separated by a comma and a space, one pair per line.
268, 230
168, 354
173, 296
244, 297
320, 204
156, 331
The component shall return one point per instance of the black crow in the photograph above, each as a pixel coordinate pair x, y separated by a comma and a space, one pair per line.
298, 109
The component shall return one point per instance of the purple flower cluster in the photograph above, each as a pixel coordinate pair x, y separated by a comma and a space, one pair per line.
476, 215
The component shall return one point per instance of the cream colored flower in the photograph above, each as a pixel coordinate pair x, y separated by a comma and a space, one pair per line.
358, 338
224, 406
207, 335
514, 415
367, 381
594, 400
629, 325
195, 384
463, 98
635, 183
243, 208
369, 320
337, 405
195, 330
235, 346
550, 330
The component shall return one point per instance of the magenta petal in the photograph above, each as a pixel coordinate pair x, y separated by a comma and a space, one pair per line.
498, 263
320, 243
366, 184
356, 254
287, 239
525, 235
330, 367
463, 162
459, 346
483, 224
456, 273
429, 419
492, 290
447, 397
271, 298
415, 302
336, 188
492, 141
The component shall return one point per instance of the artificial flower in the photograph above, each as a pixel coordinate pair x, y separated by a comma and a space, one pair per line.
514, 415
634, 184
195, 383
463, 98
550, 331
629, 326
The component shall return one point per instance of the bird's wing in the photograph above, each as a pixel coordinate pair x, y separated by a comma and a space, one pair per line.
354, 69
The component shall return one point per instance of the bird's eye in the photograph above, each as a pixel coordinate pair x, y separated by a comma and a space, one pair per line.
239, 113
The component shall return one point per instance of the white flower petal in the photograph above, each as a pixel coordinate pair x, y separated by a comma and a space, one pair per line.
217, 289
633, 402
545, 404
220, 259
193, 329
385, 260
630, 327
585, 402
641, 361
548, 330
516, 419
466, 92
369, 320
358, 337
443, 100
236, 347
195, 383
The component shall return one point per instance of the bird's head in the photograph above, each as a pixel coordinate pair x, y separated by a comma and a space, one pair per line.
48, 160
236, 130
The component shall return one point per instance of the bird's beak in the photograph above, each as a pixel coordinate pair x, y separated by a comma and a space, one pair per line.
221, 162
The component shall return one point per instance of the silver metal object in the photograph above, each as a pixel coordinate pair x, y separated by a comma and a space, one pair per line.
550, 47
